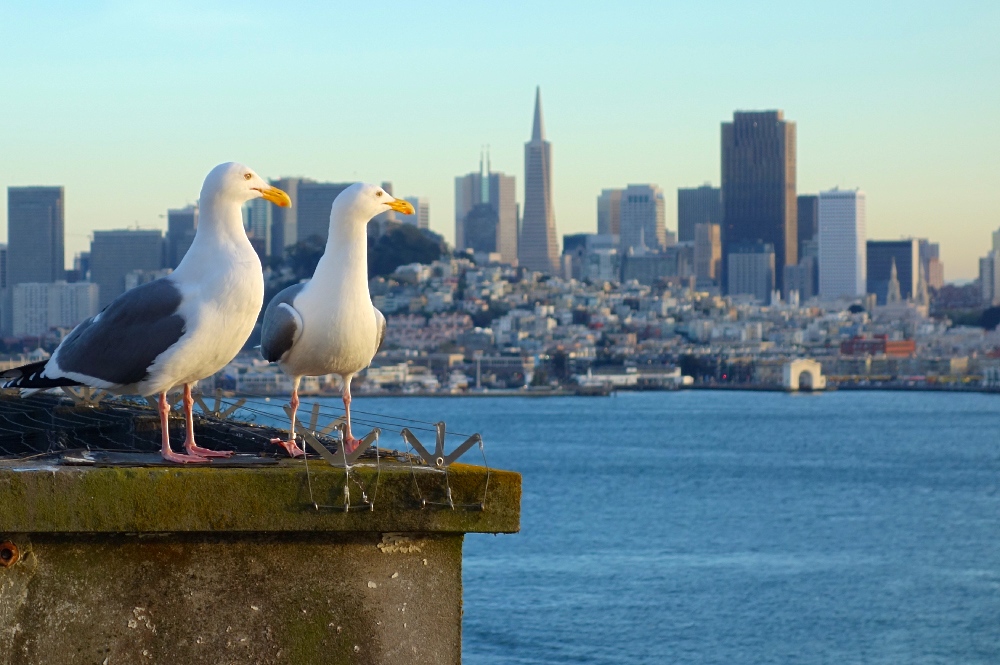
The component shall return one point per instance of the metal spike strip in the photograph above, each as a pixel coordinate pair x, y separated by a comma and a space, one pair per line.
344, 461
440, 462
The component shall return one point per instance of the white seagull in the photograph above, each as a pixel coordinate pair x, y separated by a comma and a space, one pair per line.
180, 328
328, 324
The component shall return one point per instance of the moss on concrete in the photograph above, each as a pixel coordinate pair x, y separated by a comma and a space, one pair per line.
61, 499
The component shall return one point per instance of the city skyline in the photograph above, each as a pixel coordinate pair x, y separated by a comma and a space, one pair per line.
876, 107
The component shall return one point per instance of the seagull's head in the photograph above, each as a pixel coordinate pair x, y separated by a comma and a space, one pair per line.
236, 183
362, 201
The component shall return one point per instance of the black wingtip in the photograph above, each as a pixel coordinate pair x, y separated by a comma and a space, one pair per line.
30, 376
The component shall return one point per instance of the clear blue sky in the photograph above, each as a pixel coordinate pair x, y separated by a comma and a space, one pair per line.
128, 105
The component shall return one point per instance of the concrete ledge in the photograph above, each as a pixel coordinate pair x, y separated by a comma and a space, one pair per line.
58, 499
293, 599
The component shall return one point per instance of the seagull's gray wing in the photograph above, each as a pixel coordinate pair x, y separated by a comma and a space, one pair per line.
119, 345
282, 324
380, 324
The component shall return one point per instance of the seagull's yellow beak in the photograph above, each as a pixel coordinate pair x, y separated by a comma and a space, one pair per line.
276, 196
399, 205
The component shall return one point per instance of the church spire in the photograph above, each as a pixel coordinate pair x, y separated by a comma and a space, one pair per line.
893, 296
538, 129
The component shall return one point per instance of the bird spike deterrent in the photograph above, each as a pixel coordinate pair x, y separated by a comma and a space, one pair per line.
439, 459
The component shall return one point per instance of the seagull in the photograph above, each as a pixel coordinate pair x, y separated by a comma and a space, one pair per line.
328, 325
178, 329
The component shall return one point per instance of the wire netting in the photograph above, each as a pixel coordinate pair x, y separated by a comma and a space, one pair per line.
52, 423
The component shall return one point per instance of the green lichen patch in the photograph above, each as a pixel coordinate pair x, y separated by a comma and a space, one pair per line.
63, 499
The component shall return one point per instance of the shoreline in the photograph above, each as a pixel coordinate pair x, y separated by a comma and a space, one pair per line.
610, 393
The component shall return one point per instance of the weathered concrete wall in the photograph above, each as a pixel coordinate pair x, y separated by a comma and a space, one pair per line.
203, 565
311, 599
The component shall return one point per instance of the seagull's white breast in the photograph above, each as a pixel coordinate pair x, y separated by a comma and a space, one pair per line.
339, 332
220, 306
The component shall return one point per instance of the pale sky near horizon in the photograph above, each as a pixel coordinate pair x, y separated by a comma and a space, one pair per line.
128, 105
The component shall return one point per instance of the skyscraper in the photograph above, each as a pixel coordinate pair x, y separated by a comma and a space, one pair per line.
284, 221
882, 256
39, 307
758, 185
842, 250
707, 253
751, 270
697, 205
609, 212
315, 201
642, 218
808, 214
3, 266
989, 278
930, 263
257, 219
114, 254
181, 226
421, 217
538, 246
486, 212
35, 234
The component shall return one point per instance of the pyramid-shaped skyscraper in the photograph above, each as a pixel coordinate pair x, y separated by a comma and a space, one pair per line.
538, 248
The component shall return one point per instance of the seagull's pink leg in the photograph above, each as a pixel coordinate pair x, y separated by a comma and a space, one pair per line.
290, 446
350, 443
168, 454
189, 445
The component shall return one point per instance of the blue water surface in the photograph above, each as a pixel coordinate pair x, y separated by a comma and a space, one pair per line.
736, 527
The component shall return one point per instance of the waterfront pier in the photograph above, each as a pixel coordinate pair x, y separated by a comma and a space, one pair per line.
106, 560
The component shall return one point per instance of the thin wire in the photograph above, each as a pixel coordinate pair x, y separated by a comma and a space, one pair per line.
380, 418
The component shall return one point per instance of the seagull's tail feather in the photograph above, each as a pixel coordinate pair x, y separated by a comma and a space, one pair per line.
30, 376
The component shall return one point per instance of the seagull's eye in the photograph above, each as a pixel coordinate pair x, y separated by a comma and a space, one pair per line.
247, 176
378, 193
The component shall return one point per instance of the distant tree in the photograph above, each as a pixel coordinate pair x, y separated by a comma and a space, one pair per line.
855, 308
303, 256
990, 318
962, 317
484, 318
540, 378
401, 246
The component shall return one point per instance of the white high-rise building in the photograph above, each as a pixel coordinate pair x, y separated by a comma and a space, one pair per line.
421, 217
538, 243
39, 307
642, 218
842, 244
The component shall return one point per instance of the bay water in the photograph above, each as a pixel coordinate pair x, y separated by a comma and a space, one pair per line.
734, 527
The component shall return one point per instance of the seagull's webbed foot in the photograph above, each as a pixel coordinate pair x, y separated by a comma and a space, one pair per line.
181, 458
290, 447
195, 450
351, 444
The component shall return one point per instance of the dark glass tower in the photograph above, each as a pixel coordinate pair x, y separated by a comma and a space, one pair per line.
182, 224
882, 255
697, 205
35, 232
313, 216
758, 186
808, 212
